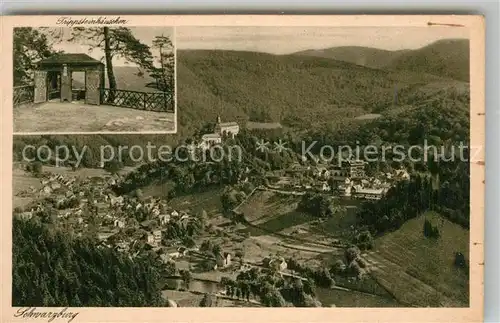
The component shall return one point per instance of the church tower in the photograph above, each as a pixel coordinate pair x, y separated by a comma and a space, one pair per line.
218, 119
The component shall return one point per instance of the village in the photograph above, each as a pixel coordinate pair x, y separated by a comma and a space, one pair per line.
346, 181
130, 224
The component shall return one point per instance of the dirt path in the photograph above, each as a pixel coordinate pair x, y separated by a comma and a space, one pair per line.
78, 117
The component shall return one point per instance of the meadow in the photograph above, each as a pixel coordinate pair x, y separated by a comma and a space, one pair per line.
407, 256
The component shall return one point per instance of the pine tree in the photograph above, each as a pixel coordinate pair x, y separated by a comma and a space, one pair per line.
115, 42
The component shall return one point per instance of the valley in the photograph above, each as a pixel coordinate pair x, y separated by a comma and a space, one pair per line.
274, 227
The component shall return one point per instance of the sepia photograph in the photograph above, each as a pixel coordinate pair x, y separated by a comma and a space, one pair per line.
313, 166
93, 80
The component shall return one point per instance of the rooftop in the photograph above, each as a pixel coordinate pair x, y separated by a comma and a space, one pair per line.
229, 124
370, 190
211, 136
69, 58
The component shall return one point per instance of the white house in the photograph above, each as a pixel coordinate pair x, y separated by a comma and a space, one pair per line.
210, 139
46, 189
150, 239
223, 260
119, 224
155, 212
277, 263
402, 174
164, 219
368, 193
157, 236
116, 200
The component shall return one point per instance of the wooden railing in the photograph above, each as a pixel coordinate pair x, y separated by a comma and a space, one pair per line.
23, 94
149, 101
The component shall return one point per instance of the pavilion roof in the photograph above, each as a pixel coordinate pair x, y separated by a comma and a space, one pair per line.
69, 58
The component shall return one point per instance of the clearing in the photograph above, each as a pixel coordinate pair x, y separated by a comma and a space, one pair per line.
421, 270
22, 181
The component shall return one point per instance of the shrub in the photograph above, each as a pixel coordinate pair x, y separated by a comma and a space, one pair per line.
113, 166
431, 231
361, 262
364, 240
354, 269
351, 254
206, 301
338, 267
35, 167
460, 261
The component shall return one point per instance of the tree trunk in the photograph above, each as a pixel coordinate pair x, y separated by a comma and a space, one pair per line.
162, 67
109, 65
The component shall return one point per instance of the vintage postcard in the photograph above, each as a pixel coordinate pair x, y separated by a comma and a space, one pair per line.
323, 168
93, 79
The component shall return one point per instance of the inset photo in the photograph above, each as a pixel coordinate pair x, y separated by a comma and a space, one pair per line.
94, 80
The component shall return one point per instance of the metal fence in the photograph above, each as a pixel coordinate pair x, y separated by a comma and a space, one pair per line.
149, 101
23, 94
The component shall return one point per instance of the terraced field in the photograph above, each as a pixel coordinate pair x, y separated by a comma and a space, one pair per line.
419, 270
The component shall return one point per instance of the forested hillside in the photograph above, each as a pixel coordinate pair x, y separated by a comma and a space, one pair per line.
446, 58
54, 268
298, 91
364, 56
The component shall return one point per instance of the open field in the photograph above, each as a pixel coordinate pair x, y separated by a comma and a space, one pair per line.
78, 117
271, 212
22, 181
420, 270
263, 125
208, 201
368, 116
400, 262
275, 226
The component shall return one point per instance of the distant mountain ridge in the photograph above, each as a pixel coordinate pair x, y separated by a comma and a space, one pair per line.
296, 90
445, 58
364, 56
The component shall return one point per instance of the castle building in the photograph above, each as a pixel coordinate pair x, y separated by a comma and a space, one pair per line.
226, 128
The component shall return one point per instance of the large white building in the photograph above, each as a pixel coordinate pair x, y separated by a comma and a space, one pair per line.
222, 129
226, 128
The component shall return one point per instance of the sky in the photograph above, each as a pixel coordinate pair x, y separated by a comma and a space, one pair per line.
286, 40
144, 34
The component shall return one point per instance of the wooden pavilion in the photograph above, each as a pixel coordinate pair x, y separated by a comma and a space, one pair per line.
53, 79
